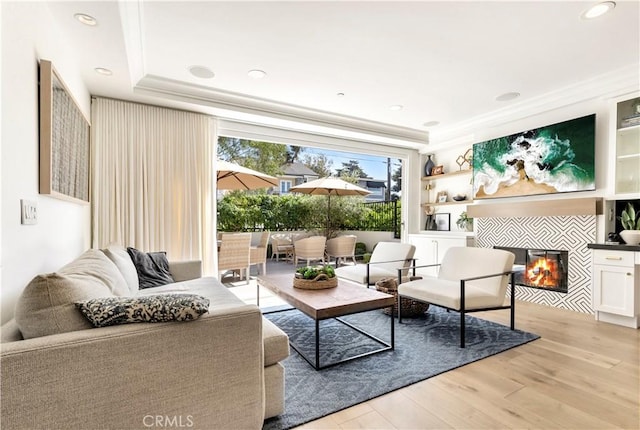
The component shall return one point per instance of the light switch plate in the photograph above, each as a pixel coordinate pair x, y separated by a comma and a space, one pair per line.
28, 211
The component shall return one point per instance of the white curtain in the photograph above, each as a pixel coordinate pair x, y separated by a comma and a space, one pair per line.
152, 181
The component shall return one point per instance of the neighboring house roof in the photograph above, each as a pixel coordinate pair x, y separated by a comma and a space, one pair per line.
297, 169
372, 183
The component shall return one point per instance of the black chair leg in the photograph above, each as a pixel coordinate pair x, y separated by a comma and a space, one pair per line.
399, 310
462, 331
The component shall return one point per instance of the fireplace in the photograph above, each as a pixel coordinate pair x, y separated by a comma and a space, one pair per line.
545, 269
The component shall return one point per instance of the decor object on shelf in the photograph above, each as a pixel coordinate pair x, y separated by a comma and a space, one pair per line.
443, 221
442, 197
315, 278
630, 220
64, 140
556, 158
465, 158
459, 197
428, 166
464, 222
430, 223
437, 170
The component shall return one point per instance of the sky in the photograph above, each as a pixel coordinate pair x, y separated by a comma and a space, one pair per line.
374, 166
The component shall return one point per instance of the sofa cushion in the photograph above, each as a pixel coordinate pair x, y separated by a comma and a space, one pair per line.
47, 304
276, 343
152, 268
106, 311
121, 258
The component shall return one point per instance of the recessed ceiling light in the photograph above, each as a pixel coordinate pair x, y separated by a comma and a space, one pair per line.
201, 72
507, 96
598, 10
257, 74
396, 107
103, 71
340, 94
431, 123
86, 19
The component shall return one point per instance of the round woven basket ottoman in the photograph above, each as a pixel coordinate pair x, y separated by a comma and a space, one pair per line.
410, 308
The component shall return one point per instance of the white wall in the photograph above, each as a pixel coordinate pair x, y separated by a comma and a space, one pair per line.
63, 229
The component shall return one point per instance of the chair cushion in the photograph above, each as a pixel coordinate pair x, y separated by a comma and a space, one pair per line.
47, 304
447, 293
107, 311
358, 273
276, 343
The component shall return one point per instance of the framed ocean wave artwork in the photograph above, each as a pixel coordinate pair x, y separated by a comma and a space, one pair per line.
556, 158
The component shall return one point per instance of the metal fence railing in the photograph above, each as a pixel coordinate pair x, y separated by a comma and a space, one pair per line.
381, 216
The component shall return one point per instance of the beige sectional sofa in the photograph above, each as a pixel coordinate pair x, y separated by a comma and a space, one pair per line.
221, 371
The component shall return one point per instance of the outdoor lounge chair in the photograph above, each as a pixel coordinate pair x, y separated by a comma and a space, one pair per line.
469, 280
386, 258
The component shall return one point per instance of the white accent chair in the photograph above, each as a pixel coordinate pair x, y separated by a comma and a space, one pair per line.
469, 280
258, 254
234, 253
341, 248
310, 249
386, 259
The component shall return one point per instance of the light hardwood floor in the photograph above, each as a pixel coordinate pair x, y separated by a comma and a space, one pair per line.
581, 374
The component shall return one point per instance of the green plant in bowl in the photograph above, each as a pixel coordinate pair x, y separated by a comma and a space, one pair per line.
630, 219
312, 272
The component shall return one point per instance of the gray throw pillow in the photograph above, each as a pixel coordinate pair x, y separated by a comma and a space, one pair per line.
103, 312
152, 268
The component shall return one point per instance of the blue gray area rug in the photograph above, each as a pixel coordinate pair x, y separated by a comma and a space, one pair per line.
425, 347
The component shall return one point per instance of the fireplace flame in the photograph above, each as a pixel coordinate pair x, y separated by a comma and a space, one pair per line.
543, 273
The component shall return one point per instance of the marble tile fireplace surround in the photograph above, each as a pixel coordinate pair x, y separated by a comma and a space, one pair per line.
569, 233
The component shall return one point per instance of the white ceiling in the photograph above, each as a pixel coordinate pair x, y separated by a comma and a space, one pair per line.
442, 61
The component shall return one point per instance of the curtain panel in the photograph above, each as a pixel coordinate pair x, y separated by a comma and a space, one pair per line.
152, 180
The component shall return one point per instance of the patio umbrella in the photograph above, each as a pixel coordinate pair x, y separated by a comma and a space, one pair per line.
231, 176
329, 186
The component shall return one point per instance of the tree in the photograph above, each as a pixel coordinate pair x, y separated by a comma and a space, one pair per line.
293, 153
319, 163
352, 169
396, 177
265, 157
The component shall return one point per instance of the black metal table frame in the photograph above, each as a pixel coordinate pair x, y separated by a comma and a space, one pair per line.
316, 363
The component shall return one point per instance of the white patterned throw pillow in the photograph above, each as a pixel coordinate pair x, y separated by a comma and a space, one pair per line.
102, 312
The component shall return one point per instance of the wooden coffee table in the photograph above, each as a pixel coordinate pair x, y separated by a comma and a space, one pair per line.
345, 299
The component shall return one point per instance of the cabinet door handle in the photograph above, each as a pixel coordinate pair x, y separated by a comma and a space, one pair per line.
613, 258
629, 274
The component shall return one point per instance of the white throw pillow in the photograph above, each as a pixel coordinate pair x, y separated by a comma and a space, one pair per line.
121, 258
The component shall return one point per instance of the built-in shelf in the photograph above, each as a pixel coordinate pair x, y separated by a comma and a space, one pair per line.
556, 207
622, 157
462, 202
623, 130
446, 175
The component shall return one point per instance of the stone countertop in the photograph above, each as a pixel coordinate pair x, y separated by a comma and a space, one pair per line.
632, 248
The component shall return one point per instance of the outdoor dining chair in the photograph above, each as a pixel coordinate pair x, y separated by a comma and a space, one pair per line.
309, 249
234, 253
258, 254
341, 248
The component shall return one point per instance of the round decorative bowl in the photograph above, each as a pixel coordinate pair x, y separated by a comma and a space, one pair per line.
459, 197
320, 282
631, 237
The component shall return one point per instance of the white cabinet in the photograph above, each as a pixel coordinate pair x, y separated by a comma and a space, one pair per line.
430, 248
625, 122
616, 286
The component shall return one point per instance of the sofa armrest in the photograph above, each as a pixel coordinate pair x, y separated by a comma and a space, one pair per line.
207, 373
185, 270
